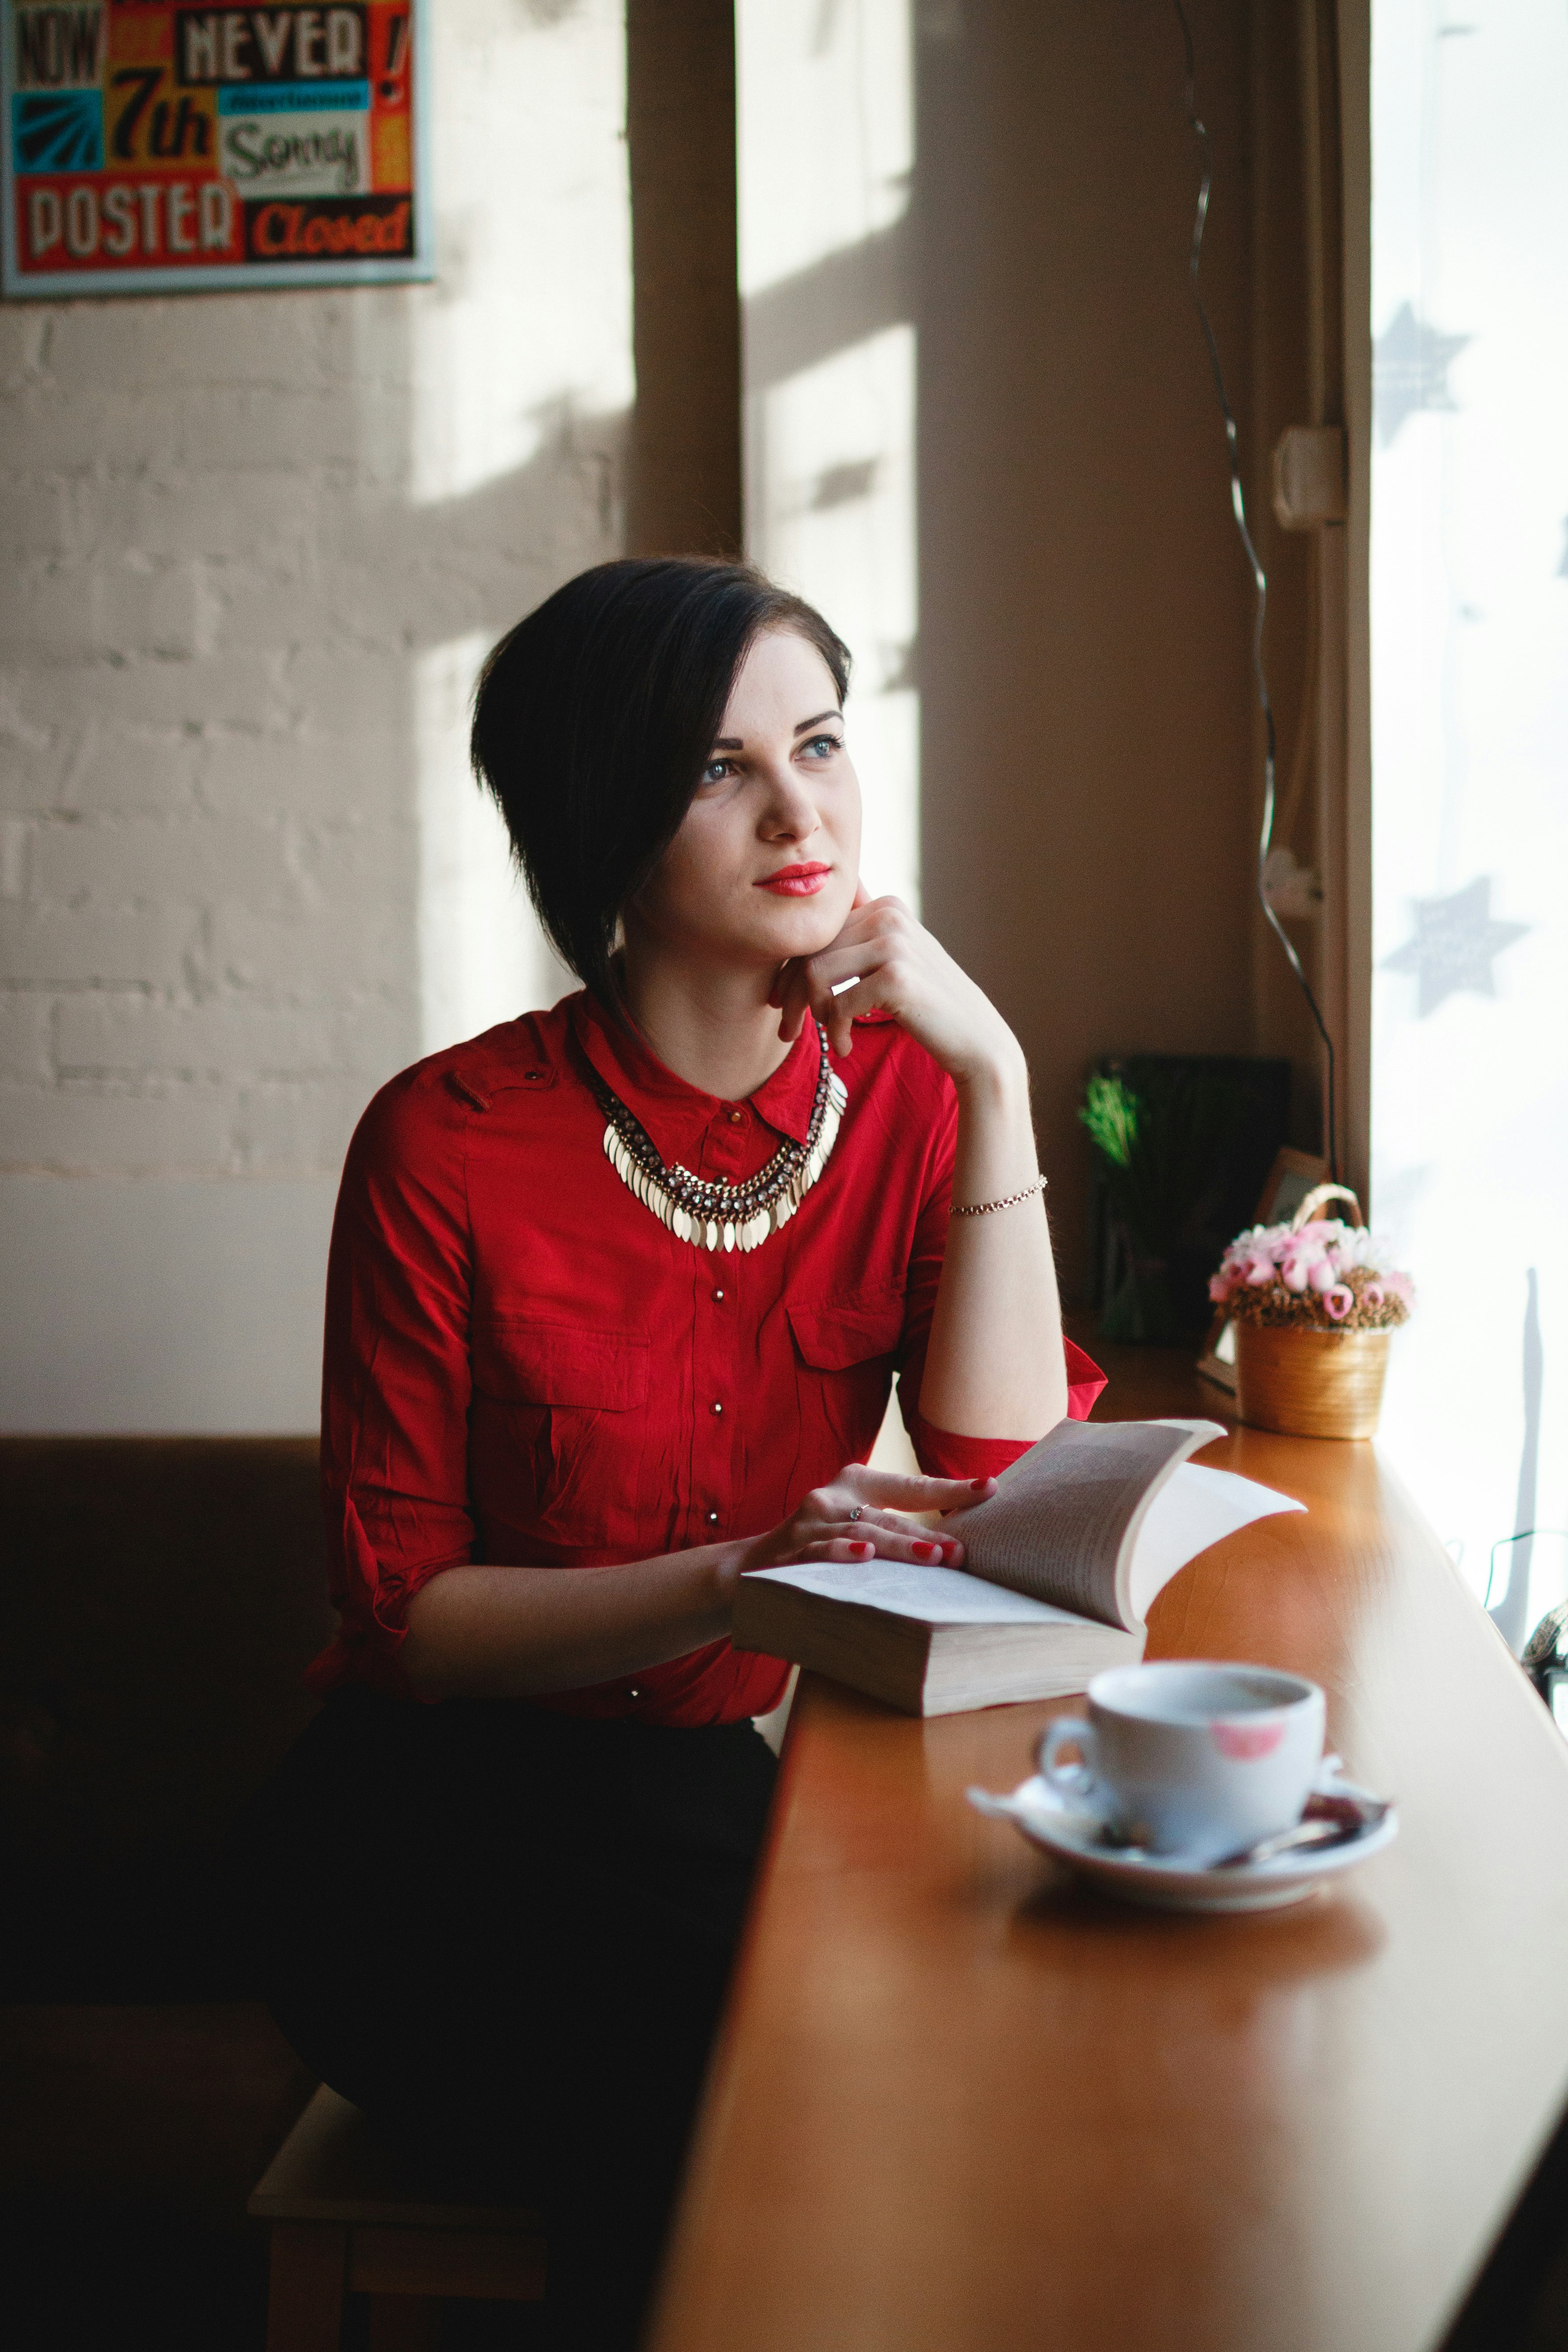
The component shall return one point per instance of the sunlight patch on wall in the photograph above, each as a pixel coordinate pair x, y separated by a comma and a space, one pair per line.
529, 323
482, 957
839, 443
827, 120
523, 377
825, 154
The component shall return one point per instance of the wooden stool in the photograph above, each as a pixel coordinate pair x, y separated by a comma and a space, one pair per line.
344, 2221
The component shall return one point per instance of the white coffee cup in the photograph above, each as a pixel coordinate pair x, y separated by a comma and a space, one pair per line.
1187, 1756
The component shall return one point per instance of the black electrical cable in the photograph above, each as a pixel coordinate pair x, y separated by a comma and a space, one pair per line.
1525, 1534
1259, 578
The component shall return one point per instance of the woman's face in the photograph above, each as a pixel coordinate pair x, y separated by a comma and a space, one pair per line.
767, 858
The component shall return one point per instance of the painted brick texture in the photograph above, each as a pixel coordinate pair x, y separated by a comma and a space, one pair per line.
231, 531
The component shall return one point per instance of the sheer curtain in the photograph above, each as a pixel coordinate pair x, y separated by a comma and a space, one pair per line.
1469, 677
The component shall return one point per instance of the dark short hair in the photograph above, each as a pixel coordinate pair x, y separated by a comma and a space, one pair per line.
594, 718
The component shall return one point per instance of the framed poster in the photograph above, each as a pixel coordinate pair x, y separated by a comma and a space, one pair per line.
158, 147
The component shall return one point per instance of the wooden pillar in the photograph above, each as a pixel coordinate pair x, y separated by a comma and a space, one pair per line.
683, 491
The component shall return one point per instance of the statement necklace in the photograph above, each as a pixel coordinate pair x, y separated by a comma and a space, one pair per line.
722, 1217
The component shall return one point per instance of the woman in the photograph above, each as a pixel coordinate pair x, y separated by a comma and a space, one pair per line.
618, 1290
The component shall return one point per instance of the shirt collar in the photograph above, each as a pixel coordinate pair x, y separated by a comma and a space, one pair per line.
676, 1113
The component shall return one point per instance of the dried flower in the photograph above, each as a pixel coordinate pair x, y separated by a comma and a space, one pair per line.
1327, 1276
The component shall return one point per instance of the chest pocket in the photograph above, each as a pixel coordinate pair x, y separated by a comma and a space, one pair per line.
844, 1349
571, 1398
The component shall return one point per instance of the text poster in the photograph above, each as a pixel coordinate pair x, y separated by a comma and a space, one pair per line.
151, 146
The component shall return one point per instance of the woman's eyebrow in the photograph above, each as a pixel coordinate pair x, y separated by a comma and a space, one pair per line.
737, 743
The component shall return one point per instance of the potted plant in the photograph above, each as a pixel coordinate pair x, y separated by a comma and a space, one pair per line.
1313, 1303
1160, 1149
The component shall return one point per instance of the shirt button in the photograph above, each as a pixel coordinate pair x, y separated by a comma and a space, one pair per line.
634, 1691
718, 1408
737, 1118
717, 1294
712, 1518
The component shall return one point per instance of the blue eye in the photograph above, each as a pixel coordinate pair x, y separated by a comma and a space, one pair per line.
717, 771
824, 746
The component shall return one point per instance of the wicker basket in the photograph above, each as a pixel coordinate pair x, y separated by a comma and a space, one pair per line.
1311, 1383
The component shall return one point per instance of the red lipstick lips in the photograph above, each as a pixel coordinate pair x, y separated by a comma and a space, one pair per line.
796, 881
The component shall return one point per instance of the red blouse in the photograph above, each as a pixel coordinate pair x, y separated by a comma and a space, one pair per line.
523, 1365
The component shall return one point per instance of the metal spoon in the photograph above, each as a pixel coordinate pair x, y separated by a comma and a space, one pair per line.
1327, 1820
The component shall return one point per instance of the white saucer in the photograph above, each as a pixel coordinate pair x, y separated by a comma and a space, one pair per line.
1165, 1880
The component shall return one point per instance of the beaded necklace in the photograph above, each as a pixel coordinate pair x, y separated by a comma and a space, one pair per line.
720, 1216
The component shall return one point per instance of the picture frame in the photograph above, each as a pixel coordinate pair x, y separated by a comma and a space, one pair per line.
1293, 1175
166, 148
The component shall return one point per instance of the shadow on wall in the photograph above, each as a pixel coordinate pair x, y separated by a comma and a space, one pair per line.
1087, 754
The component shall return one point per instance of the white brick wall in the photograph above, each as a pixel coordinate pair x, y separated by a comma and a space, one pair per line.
236, 531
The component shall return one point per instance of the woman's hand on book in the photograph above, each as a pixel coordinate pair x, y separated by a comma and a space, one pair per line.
863, 1515
899, 968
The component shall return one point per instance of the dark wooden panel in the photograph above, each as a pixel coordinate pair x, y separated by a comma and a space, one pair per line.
305, 2302
446, 2262
161, 1598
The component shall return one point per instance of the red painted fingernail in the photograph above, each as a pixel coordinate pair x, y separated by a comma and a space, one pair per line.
864, 1549
926, 1550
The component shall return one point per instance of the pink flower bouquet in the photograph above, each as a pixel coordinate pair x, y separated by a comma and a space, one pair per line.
1320, 1277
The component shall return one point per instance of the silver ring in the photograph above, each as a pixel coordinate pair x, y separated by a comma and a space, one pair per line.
855, 1514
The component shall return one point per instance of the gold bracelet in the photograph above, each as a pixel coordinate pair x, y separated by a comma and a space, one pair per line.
985, 1208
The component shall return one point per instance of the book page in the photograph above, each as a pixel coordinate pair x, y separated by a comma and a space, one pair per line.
934, 1596
1063, 1513
1194, 1508
1188, 1509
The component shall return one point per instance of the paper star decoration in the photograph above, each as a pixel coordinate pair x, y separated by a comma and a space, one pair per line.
1410, 364
1455, 945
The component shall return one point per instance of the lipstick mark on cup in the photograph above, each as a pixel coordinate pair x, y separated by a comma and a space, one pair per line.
1245, 1743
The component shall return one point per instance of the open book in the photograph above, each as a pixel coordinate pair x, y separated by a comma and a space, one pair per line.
1062, 1565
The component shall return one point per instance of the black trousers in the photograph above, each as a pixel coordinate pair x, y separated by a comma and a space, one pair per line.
505, 1934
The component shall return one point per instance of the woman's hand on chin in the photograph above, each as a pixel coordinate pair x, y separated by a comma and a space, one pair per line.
862, 1515
899, 968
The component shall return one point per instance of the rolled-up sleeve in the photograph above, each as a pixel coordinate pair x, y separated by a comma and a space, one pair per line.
395, 1376
943, 1453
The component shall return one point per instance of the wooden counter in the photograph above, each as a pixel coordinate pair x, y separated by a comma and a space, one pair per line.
959, 2105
